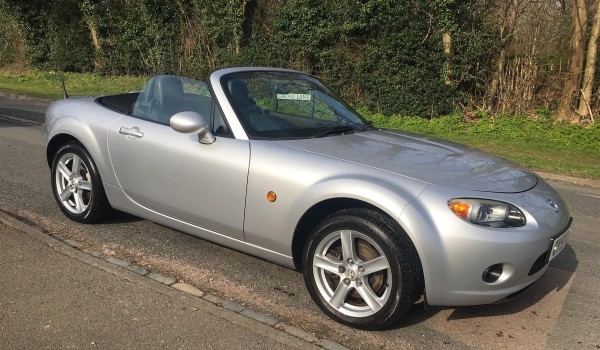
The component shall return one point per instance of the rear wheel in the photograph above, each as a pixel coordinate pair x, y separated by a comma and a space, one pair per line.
77, 185
361, 269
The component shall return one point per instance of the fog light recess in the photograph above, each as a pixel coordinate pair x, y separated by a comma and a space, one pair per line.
492, 273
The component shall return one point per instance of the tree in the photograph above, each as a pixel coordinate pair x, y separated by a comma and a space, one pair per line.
447, 42
12, 47
507, 29
32, 19
590, 65
577, 50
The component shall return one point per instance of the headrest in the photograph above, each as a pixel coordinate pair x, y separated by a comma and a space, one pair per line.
169, 85
239, 93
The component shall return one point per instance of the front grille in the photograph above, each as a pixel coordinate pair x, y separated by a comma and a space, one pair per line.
539, 263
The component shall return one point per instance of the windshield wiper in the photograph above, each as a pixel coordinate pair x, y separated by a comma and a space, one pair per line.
365, 127
338, 129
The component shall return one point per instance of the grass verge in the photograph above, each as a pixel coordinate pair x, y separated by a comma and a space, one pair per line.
43, 84
537, 144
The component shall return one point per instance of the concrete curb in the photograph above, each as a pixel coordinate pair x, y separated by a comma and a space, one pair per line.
570, 179
229, 310
24, 97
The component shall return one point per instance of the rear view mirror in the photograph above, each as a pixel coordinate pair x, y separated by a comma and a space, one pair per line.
189, 122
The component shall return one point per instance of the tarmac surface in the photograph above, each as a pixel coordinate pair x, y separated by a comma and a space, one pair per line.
54, 296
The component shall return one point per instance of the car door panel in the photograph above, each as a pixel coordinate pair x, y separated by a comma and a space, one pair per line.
173, 174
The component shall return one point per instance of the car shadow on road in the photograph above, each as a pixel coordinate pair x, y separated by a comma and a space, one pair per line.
119, 217
418, 314
556, 277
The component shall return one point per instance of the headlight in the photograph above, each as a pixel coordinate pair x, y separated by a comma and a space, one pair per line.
486, 212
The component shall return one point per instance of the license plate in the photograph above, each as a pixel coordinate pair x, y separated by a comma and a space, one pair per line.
558, 245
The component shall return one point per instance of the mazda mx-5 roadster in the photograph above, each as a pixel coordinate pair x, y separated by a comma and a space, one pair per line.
272, 163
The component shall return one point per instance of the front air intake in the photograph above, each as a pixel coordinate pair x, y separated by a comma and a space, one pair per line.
539, 263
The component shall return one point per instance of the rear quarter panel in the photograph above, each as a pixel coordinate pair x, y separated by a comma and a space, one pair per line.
87, 122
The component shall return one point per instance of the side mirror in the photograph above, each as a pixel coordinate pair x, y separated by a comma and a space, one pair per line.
192, 123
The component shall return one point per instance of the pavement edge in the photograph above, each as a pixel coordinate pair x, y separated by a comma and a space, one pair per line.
578, 181
215, 305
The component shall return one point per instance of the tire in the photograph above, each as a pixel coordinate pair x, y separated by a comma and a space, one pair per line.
362, 269
78, 192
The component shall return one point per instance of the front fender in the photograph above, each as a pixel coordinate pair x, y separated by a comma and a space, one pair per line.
302, 180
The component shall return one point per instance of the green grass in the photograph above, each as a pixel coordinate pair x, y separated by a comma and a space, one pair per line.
47, 84
537, 144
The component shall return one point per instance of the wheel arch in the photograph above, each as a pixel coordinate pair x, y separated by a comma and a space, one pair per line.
56, 141
320, 211
313, 215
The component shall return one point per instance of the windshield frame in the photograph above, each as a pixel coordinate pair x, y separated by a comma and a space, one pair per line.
338, 106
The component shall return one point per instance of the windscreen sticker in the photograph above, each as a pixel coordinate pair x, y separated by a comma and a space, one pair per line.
301, 97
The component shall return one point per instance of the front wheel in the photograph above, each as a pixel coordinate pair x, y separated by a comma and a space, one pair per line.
77, 185
362, 269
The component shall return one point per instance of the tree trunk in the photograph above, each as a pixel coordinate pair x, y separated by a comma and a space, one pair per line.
94, 35
447, 40
506, 35
590, 64
240, 34
573, 80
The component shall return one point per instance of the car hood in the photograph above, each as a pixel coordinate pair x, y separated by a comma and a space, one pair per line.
423, 158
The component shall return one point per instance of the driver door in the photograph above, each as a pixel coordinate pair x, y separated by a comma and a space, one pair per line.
173, 174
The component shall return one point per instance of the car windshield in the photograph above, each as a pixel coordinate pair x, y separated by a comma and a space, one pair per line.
285, 105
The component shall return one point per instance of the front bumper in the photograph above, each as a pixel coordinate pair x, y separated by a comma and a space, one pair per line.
454, 254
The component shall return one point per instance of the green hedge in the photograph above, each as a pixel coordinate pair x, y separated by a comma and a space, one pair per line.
381, 53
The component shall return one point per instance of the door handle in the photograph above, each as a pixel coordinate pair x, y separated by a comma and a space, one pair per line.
133, 131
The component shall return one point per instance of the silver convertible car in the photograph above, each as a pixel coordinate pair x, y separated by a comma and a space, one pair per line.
272, 163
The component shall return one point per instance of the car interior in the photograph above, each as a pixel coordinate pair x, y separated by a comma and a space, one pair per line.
165, 95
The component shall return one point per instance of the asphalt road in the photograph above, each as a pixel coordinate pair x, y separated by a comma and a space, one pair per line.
56, 297
562, 310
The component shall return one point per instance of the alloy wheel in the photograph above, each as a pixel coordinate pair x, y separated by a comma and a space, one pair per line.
73, 183
352, 273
